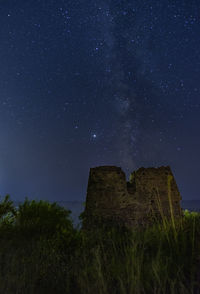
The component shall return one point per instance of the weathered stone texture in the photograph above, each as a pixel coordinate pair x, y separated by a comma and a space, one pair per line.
151, 192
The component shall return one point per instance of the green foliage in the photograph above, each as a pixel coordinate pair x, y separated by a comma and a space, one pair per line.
41, 252
43, 218
36, 248
164, 258
190, 214
7, 211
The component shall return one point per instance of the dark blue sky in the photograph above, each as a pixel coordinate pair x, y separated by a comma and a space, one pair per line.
88, 83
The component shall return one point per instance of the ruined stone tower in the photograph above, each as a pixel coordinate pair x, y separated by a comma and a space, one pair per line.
150, 193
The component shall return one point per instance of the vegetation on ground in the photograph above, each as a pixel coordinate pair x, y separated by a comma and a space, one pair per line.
42, 252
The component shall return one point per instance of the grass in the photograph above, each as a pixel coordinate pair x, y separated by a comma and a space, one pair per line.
41, 256
155, 260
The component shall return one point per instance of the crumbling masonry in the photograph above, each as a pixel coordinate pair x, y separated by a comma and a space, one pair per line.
150, 193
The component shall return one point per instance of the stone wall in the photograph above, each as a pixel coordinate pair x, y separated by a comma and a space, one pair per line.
150, 193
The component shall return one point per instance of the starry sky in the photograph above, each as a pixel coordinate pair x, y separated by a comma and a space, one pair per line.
85, 83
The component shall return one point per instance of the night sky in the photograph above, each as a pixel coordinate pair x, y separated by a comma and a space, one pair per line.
88, 83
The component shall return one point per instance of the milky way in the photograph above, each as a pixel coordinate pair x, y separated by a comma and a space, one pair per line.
88, 83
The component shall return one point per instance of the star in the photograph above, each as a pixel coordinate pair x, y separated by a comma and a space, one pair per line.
119, 75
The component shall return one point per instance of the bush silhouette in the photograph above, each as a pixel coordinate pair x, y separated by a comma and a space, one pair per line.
44, 218
36, 247
41, 252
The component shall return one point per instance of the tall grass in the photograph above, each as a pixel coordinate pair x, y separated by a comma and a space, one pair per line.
163, 258
40, 256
